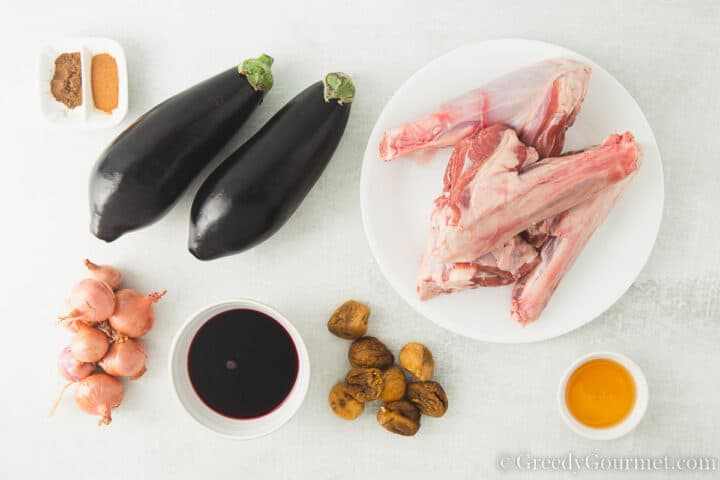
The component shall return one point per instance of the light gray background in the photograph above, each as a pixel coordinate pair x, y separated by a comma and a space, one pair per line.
502, 398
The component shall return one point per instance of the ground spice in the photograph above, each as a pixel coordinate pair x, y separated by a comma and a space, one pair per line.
104, 81
66, 84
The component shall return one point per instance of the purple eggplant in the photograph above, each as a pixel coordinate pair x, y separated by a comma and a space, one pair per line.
259, 186
149, 165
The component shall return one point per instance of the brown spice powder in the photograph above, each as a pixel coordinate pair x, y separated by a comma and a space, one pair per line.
104, 82
66, 84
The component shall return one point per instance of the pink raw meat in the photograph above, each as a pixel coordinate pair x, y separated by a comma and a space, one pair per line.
502, 266
569, 232
494, 199
539, 102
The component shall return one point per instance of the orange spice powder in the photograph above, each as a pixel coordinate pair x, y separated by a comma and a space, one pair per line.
104, 82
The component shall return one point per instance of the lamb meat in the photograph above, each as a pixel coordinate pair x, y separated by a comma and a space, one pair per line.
540, 102
569, 233
502, 266
499, 197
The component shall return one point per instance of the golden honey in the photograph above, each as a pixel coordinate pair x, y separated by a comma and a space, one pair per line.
600, 393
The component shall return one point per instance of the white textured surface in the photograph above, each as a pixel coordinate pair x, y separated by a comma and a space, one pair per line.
502, 398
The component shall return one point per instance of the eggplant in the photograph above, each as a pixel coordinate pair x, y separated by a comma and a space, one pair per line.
253, 192
148, 166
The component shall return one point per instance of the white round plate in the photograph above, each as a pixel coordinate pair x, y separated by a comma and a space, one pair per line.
396, 198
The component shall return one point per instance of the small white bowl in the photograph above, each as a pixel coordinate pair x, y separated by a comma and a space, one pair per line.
85, 115
229, 427
630, 422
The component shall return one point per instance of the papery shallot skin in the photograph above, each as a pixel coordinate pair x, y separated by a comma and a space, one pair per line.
125, 358
134, 315
569, 232
540, 102
99, 394
104, 273
89, 344
71, 369
91, 300
500, 197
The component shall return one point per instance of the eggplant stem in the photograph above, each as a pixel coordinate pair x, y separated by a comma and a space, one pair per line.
339, 86
258, 72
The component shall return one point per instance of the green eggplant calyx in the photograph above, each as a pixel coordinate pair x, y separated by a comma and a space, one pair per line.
338, 86
258, 73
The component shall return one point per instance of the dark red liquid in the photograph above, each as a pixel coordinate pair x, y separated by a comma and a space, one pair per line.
242, 363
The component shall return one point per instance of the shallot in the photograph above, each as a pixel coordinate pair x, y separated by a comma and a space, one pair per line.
105, 273
71, 369
91, 300
69, 316
106, 322
98, 394
89, 344
125, 359
133, 315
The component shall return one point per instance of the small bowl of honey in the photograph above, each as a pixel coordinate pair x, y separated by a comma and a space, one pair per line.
603, 395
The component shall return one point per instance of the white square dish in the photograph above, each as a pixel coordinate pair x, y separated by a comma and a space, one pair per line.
85, 115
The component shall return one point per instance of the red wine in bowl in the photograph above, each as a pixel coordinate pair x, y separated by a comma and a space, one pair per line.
243, 364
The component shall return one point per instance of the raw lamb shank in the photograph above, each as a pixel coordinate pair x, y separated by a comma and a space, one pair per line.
498, 197
502, 266
568, 234
539, 102
493, 189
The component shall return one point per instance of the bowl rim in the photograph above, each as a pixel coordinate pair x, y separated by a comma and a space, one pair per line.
273, 420
636, 414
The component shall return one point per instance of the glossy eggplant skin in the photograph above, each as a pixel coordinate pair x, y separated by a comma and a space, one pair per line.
259, 186
149, 165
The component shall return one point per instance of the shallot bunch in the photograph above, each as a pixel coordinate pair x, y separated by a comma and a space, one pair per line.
107, 322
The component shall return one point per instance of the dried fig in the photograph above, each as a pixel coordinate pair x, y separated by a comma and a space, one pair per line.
369, 352
350, 320
393, 384
429, 397
401, 417
417, 359
364, 384
343, 404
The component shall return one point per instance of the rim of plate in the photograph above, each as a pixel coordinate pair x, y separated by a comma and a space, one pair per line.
369, 234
